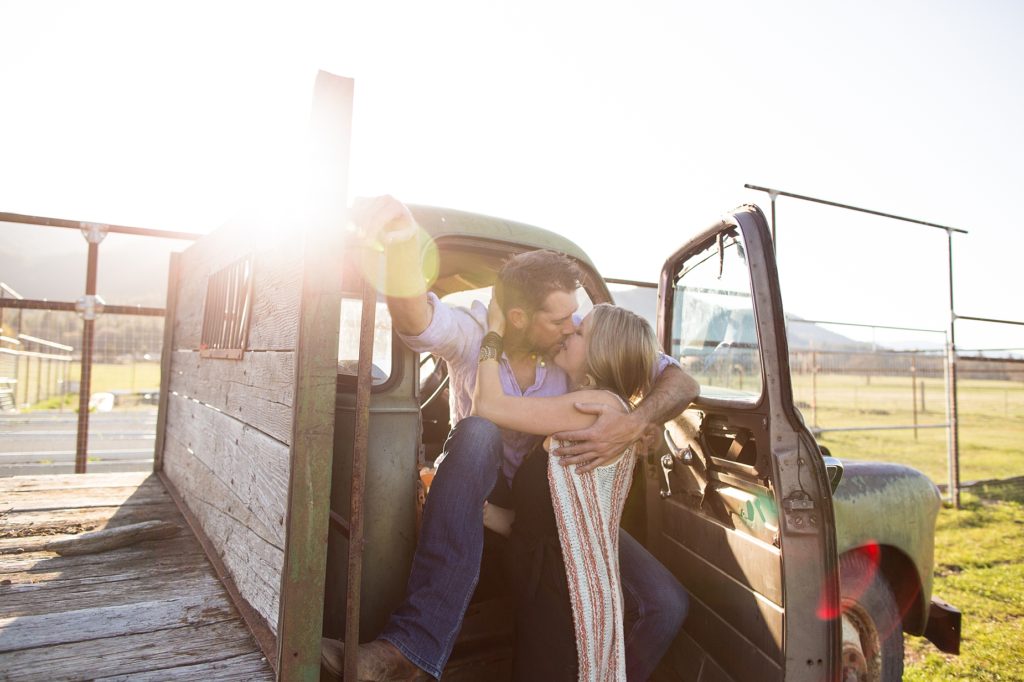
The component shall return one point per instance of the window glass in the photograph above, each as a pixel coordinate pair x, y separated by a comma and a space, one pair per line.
714, 334
465, 299
348, 341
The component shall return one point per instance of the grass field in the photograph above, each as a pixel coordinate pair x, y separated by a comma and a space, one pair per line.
991, 419
105, 377
979, 554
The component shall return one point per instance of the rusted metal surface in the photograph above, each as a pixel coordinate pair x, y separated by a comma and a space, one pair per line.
88, 330
82, 225
360, 444
780, 193
33, 304
261, 632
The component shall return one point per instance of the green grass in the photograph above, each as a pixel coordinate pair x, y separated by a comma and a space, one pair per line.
979, 554
991, 420
105, 377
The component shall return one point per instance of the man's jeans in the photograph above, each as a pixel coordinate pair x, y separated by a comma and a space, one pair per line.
446, 565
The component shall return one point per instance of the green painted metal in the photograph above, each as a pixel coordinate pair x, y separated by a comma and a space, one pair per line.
894, 507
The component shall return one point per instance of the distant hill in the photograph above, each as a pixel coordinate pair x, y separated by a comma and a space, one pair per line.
49, 265
801, 336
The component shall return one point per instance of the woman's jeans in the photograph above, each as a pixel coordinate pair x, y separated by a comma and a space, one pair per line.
446, 565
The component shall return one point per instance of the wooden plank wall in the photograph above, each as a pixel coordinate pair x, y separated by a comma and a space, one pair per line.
229, 422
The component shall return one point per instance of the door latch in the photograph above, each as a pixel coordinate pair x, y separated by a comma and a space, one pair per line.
667, 462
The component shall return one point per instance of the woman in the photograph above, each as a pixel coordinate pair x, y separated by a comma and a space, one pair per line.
563, 541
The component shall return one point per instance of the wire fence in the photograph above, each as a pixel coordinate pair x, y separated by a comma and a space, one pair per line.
882, 404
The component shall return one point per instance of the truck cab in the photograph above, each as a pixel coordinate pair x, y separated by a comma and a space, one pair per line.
799, 566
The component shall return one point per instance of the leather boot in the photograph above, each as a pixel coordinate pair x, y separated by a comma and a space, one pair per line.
379, 661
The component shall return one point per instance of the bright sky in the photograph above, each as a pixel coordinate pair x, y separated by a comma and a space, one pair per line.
625, 126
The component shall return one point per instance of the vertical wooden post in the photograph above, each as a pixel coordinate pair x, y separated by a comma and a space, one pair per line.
300, 619
166, 355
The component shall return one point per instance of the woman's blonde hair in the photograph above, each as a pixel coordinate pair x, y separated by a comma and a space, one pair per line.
621, 352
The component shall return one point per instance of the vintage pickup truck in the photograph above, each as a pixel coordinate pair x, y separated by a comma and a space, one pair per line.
799, 565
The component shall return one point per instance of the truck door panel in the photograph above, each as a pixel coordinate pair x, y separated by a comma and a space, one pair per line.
729, 464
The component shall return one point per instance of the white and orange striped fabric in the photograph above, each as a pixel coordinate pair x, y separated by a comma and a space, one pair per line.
588, 509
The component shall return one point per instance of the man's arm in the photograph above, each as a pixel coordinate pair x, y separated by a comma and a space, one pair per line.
613, 432
386, 221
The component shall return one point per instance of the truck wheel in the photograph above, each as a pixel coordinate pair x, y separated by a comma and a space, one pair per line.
872, 627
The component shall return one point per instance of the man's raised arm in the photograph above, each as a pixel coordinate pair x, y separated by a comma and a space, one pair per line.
613, 432
386, 221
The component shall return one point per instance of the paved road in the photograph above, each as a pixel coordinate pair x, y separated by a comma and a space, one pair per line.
44, 442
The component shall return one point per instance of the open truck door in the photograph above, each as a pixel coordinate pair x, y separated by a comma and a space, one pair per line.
738, 500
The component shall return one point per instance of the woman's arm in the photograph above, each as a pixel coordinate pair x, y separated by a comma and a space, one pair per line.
540, 416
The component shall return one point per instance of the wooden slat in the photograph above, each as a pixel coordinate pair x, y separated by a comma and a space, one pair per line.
249, 667
243, 542
132, 586
149, 609
49, 562
129, 654
256, 390
78, 499
73, 481
46, 522
277, 271
240, 469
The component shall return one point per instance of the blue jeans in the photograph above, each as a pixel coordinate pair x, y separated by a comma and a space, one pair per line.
446, 565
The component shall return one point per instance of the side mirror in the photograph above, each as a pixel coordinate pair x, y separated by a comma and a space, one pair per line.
834, 469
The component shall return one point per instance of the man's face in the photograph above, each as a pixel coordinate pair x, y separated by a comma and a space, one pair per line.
552, 324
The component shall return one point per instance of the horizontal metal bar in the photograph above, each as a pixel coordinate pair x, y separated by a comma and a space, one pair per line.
861, 324
33, 354
989, 319
44, 342
632, 283
779, 192
901, 427
67, 306
9, 290
84, 224
7, 339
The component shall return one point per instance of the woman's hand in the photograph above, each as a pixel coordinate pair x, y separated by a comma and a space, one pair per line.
495, 318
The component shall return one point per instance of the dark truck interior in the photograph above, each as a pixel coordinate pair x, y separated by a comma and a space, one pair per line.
702, 502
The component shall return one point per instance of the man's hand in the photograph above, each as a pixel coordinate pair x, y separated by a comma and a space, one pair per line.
383, 219
602, 441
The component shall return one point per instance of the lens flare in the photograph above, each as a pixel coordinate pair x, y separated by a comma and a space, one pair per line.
829, 606
402, 282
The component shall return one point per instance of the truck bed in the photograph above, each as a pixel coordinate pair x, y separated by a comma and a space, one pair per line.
150, 611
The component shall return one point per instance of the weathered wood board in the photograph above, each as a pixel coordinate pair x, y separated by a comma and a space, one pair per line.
256, 390
153, 610
277, 272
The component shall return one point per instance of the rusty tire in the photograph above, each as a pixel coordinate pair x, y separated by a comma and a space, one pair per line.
872, 627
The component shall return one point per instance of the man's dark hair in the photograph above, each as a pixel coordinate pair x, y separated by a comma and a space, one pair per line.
526, 279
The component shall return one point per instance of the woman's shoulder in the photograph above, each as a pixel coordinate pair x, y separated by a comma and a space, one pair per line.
601, 395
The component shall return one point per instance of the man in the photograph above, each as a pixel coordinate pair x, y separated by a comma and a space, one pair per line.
537, 290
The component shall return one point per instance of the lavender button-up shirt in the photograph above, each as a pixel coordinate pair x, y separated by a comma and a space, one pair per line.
455, 334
